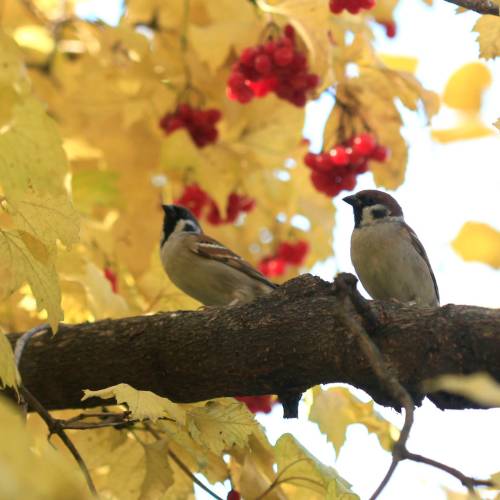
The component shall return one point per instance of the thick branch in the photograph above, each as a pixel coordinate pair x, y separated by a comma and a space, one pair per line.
286, 342
479, 6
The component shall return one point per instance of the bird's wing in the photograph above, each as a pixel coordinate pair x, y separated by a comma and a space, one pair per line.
207, 247
421, 251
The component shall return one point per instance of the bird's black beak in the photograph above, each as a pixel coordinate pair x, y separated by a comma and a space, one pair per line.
352, 200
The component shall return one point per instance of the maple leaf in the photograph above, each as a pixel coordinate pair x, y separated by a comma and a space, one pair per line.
9, 376
141, 404
479, 387
488, 29
336, 408
221, 424
295, 463
159, 474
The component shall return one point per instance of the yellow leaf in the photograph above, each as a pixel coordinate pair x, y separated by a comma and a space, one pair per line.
180, 154
48, 218
141, 404
399, 63
295, 463
103, 302
470, 127
488, 29
32, 468
195, 456
495, 478
252, 482
13, 72
9, 376
117, 461
497, 124
273, 128
478, 242
159, 474
93, 188
465, 87
35, 38
232, 24
336, 408
479, 387
221, 424
26, 259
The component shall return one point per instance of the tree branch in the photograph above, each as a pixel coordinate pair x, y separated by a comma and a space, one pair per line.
55, 428
283, 343
479, 6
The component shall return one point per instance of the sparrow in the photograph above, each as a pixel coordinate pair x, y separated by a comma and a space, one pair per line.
202, 267
389, 259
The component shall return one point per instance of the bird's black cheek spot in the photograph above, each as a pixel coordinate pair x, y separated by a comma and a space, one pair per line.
379, 213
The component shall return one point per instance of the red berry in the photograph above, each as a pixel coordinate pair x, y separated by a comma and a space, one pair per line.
214, 216
213, 115
283, 56
349, 181
257, 404
339, 156
236, 80
310, 160
233, 495
289, 32
247, 56
110, 275
293, 253
380, 153
354, 157
312, 81
362, 167
263, 64
364, 144
272, 266
323, 162
299, 99
390, 29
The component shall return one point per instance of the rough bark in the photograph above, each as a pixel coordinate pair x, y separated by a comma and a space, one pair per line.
479, 6
281, 344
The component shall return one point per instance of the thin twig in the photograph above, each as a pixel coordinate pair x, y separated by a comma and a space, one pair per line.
467, 481
181, 464
55, 428
479, 6
355, 311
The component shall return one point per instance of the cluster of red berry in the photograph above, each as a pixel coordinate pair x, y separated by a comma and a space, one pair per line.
233, 495
336, 170
200, 203
256, 404
352, 6
292, 254
276, 66
200, 123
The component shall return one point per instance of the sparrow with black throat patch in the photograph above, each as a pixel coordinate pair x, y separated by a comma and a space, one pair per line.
389, 259
202, 267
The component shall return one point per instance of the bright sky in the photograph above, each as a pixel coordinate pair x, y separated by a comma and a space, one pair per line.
445, 186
